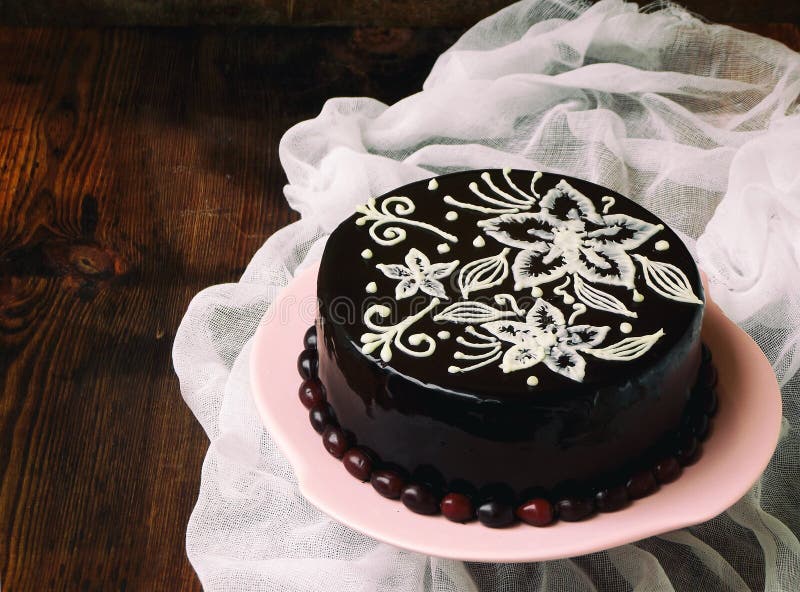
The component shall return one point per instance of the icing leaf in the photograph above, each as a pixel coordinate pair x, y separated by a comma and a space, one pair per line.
406, 288
433, 288
394, 271
521, 356
667, 280
567, 203
483, 273
628, 349
599, 299
417, 261
606, 264
586, 336
544, 316
511, 331
623, 231
567, 362
526, 231
470, 311
532, 268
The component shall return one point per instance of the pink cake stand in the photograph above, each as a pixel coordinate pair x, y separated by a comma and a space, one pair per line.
741, 442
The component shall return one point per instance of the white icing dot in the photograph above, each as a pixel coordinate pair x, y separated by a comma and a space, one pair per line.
453, 369
568, 299
443, 334
415, 339
372, 287
637, 296
662, 245
626, 327
443, 248
532, 381
433, 184
366, 253
536, 292
479, 242
451, 215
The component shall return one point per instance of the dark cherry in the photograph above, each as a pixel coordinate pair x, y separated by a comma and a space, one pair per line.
308, 363
611, 499
388, 483
335, 441
667, 469
708, 375
573, 509
641, 484
536, 512
457, 507
709, 402
311, 393
495, 514
419, 499
699, 425
310, 338
358, 463
321, 416
686, 451
705, 354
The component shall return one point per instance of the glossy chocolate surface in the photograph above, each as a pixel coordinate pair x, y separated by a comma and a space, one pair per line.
486, 426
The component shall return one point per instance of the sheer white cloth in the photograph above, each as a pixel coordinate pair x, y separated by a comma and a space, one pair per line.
698, 122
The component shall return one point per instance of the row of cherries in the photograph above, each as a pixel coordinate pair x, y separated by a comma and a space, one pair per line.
497, 511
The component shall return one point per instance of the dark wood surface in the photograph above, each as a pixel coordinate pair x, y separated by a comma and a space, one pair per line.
138, 167
397, 13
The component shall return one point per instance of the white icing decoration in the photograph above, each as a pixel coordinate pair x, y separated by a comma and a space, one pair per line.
536, 291
509, 299
560, 291
546, 336
528, 198
443, 335
536, 176
418, 274
625, 327
609, 203
450, 200
637, 296
532, 381
578, 310
598, 299
433, 184
628, 349
452, 215
483, 358
478, 242
469, 311
443, 248
386, 336
366, 253
556, 247
667, 280
483, 273
392, 235
372, 287
662, 245
510, 199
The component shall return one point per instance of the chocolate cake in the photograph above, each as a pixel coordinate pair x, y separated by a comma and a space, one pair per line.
492, 340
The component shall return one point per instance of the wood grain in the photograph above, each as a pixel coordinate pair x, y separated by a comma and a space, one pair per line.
394, 13
138, 166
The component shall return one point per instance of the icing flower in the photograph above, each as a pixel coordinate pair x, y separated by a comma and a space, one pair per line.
545, 336
569, 236
418, 274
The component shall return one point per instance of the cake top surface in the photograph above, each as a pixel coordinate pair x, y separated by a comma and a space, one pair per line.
509, 282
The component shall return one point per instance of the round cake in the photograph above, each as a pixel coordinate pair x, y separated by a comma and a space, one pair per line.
508, 331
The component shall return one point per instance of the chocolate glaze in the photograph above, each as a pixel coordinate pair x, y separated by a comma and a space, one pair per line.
486, 426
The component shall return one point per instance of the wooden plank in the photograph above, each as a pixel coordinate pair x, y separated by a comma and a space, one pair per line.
138, 167
398, 13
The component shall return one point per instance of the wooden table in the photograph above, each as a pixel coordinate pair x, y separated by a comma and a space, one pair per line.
138, 167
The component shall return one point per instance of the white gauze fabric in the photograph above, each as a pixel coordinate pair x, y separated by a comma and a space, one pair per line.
697, 122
